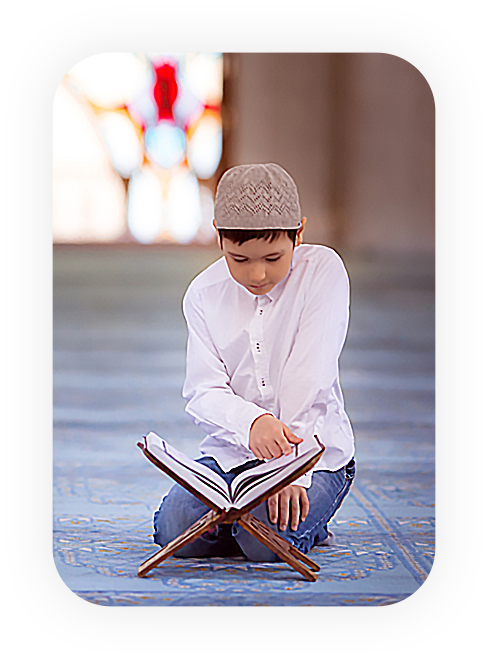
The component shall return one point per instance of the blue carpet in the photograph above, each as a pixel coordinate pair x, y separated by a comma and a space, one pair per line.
119, 351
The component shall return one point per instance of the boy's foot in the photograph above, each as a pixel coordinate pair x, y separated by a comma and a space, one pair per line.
329, 540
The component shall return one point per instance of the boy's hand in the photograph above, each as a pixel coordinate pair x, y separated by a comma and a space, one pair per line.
291, 504
270, 438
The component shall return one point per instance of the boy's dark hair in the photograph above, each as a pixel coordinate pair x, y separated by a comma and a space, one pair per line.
240, 236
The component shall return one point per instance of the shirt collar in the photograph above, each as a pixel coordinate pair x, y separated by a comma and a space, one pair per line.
277, 290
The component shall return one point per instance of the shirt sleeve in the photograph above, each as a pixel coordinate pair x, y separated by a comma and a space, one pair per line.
211, 401
312, 367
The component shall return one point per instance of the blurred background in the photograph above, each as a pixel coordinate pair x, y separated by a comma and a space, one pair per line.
140, 141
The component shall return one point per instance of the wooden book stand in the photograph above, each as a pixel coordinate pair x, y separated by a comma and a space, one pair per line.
272, 540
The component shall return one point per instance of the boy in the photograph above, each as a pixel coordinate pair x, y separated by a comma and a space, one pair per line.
266, 325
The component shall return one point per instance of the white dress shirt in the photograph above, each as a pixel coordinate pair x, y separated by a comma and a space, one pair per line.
277, 353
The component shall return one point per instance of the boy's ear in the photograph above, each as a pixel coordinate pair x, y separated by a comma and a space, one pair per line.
219, 239
299, 238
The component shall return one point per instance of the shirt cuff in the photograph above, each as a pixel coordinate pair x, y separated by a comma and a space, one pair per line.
304, 481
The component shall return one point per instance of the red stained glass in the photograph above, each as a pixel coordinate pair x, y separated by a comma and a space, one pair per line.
165, 90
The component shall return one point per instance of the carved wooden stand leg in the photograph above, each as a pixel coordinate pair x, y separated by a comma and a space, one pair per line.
272, 540
192, 533
287, 552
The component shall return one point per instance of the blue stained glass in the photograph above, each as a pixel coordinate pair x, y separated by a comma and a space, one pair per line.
165, 144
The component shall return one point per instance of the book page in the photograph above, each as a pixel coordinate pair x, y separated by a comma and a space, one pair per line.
254, 482
195, 474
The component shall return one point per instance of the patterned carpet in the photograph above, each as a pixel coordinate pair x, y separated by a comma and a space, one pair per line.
119, 351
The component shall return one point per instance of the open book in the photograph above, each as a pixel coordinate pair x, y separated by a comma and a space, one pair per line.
246, 490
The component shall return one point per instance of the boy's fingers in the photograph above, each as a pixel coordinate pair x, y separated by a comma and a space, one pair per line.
292, 506
284, 510
262, 451
290, 436
258, 453
283, 446
276, 449
305, 505
295, 511
273, 509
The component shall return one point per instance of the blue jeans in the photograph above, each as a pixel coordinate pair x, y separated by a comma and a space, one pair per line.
179, 509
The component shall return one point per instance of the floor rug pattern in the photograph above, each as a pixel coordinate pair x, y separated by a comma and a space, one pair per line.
119, 357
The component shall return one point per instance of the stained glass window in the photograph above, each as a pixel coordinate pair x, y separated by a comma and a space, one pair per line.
137, 140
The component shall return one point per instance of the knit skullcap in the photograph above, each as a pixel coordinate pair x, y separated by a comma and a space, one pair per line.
257, 197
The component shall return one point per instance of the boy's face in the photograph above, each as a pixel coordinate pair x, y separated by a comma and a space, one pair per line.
259, 265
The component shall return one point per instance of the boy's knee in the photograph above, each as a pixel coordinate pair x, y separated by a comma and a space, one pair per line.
177, 512
159, 537
164, 530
